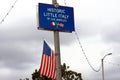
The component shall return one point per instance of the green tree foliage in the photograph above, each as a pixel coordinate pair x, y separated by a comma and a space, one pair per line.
66, 74
69, 74
37, 76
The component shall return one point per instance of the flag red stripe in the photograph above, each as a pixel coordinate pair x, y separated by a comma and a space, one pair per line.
45, 64
48, 69
42, 64
54, 67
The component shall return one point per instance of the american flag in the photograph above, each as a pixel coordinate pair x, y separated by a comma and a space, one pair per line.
48, 67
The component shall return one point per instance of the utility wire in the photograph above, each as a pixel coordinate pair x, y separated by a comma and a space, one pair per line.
115, 67
114, 64
85, 55
8, 12
84, 51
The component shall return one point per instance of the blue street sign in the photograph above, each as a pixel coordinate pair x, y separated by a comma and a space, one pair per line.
59, 18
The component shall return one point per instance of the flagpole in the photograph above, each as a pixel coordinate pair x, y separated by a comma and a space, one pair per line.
57, 51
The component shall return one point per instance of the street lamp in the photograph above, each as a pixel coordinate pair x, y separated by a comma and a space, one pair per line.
103, 64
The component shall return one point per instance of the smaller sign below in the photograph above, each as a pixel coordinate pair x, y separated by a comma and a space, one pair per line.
59, 18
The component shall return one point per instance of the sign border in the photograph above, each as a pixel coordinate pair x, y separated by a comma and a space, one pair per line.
42, 28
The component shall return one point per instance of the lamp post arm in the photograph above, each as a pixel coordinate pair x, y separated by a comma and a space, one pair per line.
107, 55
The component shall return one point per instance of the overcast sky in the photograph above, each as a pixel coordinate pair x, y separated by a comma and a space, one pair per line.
96, 23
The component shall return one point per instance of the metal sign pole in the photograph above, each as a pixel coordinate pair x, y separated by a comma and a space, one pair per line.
57, 51
57, 55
